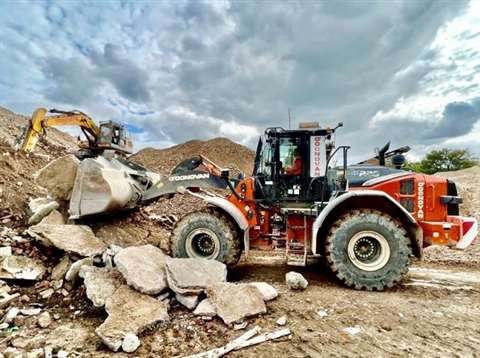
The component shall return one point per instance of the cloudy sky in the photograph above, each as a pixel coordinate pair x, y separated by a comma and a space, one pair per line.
406, 71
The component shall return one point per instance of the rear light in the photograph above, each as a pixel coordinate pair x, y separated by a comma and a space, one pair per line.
407, 187
407, 203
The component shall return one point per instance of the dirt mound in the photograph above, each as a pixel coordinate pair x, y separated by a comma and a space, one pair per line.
11, 125
467, 182
221, 151
17, 168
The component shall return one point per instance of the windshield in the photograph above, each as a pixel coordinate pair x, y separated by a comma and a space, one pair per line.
289, 150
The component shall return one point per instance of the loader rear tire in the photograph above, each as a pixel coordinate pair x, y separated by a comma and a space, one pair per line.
367, 249
206, 234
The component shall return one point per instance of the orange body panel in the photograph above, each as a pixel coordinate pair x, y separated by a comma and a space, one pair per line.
424, 199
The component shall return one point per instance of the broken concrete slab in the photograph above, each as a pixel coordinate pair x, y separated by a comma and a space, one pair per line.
54, 218
129, 312
192, 276
40, 208
59, 271
70, 337
21, 268
72, 273
100, 282
143, 267
268, 291
58, 176
77, 239
5, 251
188, 301
234, 302
295, 281
205, 309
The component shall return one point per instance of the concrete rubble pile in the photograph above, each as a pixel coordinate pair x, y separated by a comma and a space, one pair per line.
135, 285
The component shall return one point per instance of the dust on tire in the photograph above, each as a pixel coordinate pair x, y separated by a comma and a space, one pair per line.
230, 245
340, 264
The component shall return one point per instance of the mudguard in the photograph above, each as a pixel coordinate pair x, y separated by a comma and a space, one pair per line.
417, 242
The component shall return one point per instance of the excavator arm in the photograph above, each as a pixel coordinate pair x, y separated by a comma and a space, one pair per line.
40, 121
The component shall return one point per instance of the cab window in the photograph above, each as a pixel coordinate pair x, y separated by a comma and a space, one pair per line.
289, 148
265, 161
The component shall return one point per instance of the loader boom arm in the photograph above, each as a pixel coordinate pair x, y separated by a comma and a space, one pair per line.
40, 121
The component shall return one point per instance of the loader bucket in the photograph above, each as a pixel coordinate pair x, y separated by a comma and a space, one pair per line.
103, 186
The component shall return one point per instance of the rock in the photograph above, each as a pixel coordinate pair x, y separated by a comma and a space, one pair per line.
322, 313
57, 285
36, 353
21, 268
40, 208
282, 321
72, 273
193, 276
239, 326
60, 270
129, 312
69, 337
10, 316
7, 299
130, 343
77, 239
46, 294
268, 291
205, 309
30, 311
295, 281
234, 302
4, 288
54, 218
4, 326
353, 331
188, 301
62, 354
143, 267
44, 320
101, 283
48, 352
58, 176
5, 251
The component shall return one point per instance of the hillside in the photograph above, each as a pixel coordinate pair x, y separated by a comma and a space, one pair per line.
221, 151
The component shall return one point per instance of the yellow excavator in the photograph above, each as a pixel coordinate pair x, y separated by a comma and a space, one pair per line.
106, 136
106, 180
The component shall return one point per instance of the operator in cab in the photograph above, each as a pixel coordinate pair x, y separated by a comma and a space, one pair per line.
297, 164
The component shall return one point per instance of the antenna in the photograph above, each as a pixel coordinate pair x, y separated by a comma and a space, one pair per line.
289, 119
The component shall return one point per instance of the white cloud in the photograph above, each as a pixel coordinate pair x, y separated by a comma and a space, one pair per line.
193, 69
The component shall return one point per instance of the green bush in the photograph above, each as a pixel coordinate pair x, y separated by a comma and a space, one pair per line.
443, 160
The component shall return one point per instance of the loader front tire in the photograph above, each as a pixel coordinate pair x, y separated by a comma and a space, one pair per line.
367, 249
206, 234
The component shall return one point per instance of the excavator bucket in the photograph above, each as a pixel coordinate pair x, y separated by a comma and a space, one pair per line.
107, 185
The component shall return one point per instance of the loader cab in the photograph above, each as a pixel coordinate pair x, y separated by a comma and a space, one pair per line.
291, 165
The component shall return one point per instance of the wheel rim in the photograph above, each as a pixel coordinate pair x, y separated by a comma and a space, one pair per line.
202, 243
368, 250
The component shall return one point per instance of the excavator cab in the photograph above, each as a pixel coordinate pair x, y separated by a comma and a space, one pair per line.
114, 136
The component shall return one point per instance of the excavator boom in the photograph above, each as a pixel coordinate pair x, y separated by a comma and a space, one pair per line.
40, 121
